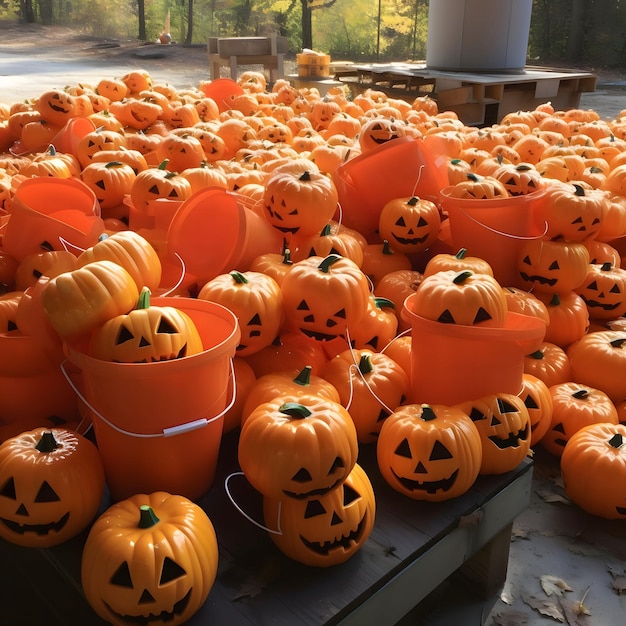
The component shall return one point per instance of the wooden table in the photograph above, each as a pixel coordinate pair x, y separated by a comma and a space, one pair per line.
413, 549
478, 98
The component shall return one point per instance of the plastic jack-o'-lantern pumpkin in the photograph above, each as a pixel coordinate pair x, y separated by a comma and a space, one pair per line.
463, 297
593, 467
51, 484
149, 559
429, 452
327, 530
299, 446
410, 225
378, 131
504, 425
147, 334
604, 291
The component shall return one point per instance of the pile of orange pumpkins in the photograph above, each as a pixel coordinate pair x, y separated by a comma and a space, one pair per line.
324, 361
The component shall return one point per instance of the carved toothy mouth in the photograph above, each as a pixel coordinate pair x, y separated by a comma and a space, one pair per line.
313, 493
162, 617
344, 542
512, 441
431, 487
314, 334
39, 529
413, 241
538, 279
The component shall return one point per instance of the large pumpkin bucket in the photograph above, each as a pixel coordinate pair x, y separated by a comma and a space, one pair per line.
451, 363
397, 168
158, 426
494, 229
214, 231
56, 211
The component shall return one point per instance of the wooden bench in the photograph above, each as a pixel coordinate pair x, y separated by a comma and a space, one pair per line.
233, 52
415, 551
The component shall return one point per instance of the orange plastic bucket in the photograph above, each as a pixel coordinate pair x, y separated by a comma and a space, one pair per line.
213, 232
494, 229
223, 91
158, 426
451, 363
63, 212
396, 169
68, 138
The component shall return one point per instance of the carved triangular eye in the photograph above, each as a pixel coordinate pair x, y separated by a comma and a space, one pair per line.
121, 577
302, 476
446, 318
171, 571
314, 508
255, 320
46, 493
593, 285
440, 452
124, 335
530, 402
400, 222
482, 315
166, 327
8, 490
476, 415
303, 306
422, 222
349, 495
403, 449
337, 464
506, 407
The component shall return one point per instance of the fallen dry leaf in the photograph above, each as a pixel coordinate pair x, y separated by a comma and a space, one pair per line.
550, 496
554, 585
510, 618
619, 585
473, 519
578, 606
507, 598
544, 607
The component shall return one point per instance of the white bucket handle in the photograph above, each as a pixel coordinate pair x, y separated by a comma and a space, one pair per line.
503, 234
250, 519
166, 432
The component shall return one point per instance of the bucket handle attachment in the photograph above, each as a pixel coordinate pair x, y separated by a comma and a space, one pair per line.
278, 531
503, 234
166, 432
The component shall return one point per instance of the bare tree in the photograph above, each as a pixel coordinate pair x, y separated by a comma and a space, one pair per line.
308, 6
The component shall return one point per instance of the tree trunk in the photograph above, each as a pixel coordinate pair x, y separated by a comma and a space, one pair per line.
27, 13
307, 25
46, 12
574, 48
189, 22
141, 16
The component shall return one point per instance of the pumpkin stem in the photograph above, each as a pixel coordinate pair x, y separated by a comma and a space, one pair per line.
387, 248
413, 201
581, 394
461, 277
365, 364
616, 441
381, 303
325, 231
287, 257
555, 300
163, 164
304, 377
326, 263
103, 236
239, 278
537, 354
461, 254
47, 443
606, 267
579, 190
295, 410
147, 517
427, 413
305, 176
618, 343
144, 299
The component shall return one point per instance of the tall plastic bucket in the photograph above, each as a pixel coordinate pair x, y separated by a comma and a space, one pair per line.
59, 211
397, 168
494, 229
451, 363
158, 426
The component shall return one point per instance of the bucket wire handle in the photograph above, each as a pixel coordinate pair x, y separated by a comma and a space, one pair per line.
250, 519
166, 432
68, 244
498, 232
183, 271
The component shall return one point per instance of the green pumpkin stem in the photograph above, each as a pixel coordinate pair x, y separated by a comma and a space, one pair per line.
427, 413
326, 231
555, 300
163, 164
537, 354
579, 190
382, 303
461, 254
304, 377
295, 410
581, 394
239, 278
326, 263
365, 364
461, 277
47, 443
144, 299
147, 517
616, 441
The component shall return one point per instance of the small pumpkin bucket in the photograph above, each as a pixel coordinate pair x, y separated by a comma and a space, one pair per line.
397, 168
451, 363
223, 91
158, 426
214, 231
68, 138
56, 211
494, 229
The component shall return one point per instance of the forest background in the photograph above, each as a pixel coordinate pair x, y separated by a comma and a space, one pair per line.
574, 32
